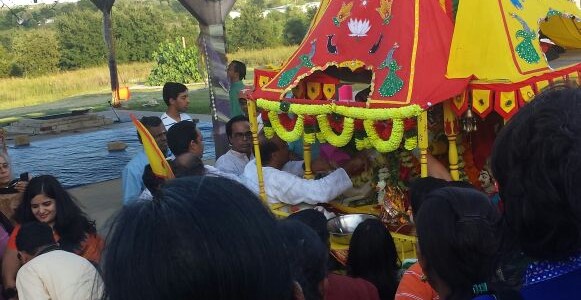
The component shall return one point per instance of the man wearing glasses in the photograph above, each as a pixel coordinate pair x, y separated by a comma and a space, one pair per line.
240, 138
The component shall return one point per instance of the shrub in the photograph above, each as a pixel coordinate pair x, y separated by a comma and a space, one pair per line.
35, 52
173, 62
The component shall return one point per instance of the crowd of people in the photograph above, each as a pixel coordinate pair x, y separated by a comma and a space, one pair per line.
207, 235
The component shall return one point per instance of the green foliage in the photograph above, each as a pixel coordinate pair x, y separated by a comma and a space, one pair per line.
174, 63
138, 31
81, 43
251, 31
5, 62
294, 31
35, 52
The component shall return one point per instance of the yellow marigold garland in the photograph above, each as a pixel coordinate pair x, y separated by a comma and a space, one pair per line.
309, 138
268, 132
288, 136
330, 136
411, 143
363, 144
394, 139
375, 114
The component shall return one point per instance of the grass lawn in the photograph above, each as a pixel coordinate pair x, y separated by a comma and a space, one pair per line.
141, 99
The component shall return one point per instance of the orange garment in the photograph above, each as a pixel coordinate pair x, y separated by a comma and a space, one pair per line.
412, 286
91, 247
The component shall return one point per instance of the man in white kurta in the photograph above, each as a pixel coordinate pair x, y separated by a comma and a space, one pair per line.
58, 275
240, 138
289, 188
49, 273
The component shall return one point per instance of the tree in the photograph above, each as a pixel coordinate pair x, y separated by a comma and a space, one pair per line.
174, 63
251, 30
5, 62
35, 52
80, 43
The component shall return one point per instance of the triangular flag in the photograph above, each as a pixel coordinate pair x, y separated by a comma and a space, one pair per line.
157, 161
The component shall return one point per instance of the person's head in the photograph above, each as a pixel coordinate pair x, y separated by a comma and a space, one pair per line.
205, 238
536, 161
316, 221
187, 164
373, 257
176, 97
307, 257
243, 105
236, 71
274, 152
5, 170
45, 200
157, 130
32, 239
420, 187
457, 237
185, 137
239, 134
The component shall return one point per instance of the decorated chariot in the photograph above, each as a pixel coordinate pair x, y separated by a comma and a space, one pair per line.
433, 79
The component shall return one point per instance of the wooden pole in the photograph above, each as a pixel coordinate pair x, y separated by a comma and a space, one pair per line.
307, 158
451, 130
252, 116
423, 142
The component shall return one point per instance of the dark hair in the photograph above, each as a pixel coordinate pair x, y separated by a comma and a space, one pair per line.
315, 220
240, 68
461, 252
240, 118
307, 257
171, 90
71, 223
180, 135
536, 162
373, 257
149, 122
267, 148
151, 181
187, 164
33, 236
205, 238
420, 187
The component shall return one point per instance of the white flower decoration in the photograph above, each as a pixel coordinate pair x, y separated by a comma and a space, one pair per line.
358, 27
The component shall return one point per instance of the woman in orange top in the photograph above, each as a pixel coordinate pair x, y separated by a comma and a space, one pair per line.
45, 200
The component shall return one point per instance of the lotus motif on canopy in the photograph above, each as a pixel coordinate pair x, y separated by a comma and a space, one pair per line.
358, 27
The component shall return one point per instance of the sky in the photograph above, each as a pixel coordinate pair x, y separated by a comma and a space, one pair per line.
29, 2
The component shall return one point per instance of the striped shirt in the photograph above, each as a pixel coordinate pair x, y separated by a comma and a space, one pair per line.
169, 121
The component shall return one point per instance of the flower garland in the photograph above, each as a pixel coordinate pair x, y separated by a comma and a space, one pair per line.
327, 134
288, 136
363, 113
411, 143
394, 139
362, 144
330, 136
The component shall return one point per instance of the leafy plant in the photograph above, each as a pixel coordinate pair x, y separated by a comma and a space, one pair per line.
175, 63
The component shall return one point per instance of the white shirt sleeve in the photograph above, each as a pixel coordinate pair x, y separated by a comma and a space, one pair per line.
294, 167
226, 163
30, 286
288, 188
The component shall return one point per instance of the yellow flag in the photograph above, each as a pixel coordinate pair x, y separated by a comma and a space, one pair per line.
159, 164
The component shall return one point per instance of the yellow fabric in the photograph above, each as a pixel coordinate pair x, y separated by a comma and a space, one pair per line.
507, 101
563, 31
527, 93
313, 90
481, 100
482, 46
541, 85
159, 164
